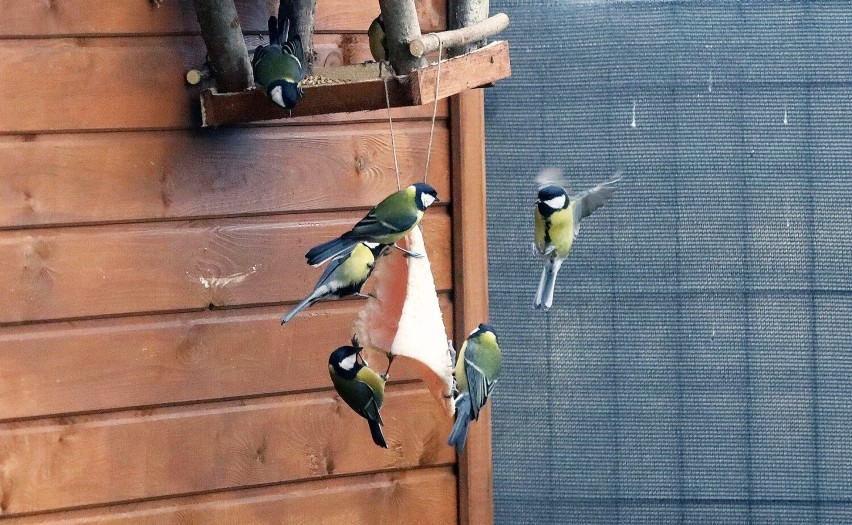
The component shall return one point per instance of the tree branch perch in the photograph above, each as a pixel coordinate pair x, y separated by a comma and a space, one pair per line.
229, 60
458, 37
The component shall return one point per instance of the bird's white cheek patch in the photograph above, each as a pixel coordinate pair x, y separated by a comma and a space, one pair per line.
556, 202
276, 96
426, 199
349, 362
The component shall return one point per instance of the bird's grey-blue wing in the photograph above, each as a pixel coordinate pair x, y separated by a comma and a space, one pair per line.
333, 265
478, 386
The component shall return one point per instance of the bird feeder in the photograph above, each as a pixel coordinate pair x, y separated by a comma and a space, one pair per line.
358, 87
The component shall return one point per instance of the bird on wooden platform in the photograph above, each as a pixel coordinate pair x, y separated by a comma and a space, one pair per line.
477, 368
557, 223
361, 387
378, 39
279, 66
387, 223
345, 275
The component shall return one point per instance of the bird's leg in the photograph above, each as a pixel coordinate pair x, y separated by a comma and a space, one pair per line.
409, 253
390, 362
365, 295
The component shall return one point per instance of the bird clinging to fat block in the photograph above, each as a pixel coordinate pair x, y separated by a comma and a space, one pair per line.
279, 66
388, 222
477, 368
557, 223
360, 386
345, 275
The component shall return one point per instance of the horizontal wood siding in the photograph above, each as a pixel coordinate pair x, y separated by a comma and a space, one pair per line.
144, 377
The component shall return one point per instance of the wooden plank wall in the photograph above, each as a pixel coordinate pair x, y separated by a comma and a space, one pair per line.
143, 375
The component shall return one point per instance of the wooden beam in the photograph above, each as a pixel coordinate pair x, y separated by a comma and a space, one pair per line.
358, 88
220, 27
470, 261
466, 13
429, 43
478, 68
401, 27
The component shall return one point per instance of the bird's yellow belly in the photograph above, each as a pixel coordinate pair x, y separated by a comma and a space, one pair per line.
556, 233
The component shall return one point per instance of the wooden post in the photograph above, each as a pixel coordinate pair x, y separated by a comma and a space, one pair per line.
464, 13
401, 28
303, 12
470, 289
220, 27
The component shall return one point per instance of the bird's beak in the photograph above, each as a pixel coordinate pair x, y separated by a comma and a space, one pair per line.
437, 199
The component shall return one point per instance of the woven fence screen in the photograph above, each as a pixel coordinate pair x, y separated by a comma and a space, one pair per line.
697, 364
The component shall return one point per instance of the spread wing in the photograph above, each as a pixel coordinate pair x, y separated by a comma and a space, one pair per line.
592, 199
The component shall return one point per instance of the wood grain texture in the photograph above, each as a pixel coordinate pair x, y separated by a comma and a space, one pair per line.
108, 177
478, 68
470, 258
60, 368
122, 269
126, 83
88, 460
27, 18
413, 497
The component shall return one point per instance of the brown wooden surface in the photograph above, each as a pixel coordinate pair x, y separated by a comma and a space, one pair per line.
88, 460
119, 83
22, 18
52, 179
413, 497
470, 257
482, 67
122, 269
103, 364
478, 68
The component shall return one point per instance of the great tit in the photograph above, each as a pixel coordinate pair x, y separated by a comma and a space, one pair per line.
476, 372
557, 223
378, 40
345, 275
388, 222
360, 386
279, 66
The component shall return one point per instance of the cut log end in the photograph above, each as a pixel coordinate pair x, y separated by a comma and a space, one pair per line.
458, 37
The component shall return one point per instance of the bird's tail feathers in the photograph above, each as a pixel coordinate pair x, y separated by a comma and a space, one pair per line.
306, 302
294, 47
458, 437
376, 433
547, 284
328, 250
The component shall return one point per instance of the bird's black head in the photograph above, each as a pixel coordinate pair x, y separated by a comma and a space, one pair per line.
551, 198
424, 195
344, 361
284, 93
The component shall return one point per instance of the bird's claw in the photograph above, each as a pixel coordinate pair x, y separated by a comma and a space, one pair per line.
409, 253
451, 350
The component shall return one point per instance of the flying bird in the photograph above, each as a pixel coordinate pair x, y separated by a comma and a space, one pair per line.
557, 223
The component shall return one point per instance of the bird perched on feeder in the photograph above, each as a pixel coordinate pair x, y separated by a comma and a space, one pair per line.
345, 275
360, 386
388, 222
476, 372
557, 223
378, 39
279, 66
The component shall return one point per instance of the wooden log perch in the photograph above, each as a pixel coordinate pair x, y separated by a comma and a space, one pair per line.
458, 37
220, 27
401, 27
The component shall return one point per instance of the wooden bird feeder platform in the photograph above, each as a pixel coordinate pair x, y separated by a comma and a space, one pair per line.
358, 87
352, 88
